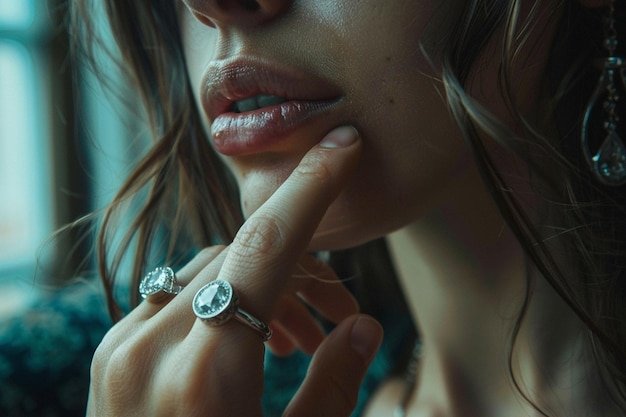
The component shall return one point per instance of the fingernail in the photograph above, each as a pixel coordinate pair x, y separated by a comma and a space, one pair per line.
365, 337
340, 137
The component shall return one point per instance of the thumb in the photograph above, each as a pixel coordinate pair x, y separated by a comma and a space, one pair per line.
331, 386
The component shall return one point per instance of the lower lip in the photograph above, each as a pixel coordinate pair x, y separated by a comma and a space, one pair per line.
262, 129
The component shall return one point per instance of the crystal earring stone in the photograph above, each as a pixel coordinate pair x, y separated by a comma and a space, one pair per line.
610, 161
602, 128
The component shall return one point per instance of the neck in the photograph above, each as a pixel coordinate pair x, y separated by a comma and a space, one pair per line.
465, 277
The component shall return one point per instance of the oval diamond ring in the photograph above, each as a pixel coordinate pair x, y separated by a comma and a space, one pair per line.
159, 282
216, 303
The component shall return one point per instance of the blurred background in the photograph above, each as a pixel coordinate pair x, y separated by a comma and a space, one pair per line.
65, 146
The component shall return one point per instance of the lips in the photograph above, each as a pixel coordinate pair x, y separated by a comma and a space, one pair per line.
254, 105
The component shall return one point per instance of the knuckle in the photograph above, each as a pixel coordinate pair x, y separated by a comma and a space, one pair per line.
260, 235
99, 362
121, 365
117, 369
116, 366
104, 352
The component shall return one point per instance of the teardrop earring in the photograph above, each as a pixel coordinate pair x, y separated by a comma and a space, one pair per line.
609, 162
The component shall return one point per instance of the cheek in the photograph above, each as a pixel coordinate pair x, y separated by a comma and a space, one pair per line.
394, 186
258, 177
413, 149
394, 96
199, 46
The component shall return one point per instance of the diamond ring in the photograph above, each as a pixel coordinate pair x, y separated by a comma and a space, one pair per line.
217, 302
159, 282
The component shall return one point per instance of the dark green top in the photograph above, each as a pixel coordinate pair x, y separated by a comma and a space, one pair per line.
46, 351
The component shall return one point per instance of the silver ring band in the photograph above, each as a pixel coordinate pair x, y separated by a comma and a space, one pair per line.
159, 282
216, 303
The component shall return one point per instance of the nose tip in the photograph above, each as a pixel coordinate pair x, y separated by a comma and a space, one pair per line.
236, 12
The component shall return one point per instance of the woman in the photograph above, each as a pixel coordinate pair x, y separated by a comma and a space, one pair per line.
453, 134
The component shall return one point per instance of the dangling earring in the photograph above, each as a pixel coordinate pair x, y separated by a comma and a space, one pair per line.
609, 162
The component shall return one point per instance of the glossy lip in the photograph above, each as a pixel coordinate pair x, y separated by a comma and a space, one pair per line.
308, 98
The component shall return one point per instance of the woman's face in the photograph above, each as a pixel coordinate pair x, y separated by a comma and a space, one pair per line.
352, 62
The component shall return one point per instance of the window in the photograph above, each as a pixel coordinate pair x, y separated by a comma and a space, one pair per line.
26, 214
63, 151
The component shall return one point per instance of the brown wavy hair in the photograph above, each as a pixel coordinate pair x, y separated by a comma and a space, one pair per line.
184, 197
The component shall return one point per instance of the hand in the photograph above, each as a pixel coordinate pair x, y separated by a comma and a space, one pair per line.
162, 361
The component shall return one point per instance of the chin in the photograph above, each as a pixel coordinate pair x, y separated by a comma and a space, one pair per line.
255, 193
341, 227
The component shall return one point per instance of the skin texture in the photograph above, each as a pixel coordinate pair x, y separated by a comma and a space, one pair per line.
389, 93
161, 361
406, 173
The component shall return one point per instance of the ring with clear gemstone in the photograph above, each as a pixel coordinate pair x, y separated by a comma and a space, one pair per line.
161, 280
216, 303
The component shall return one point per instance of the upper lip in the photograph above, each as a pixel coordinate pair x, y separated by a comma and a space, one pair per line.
237, 78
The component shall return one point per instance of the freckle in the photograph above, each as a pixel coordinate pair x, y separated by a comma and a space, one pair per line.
388, 58
392, 101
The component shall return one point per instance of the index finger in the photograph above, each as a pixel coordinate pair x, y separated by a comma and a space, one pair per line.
272, 240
